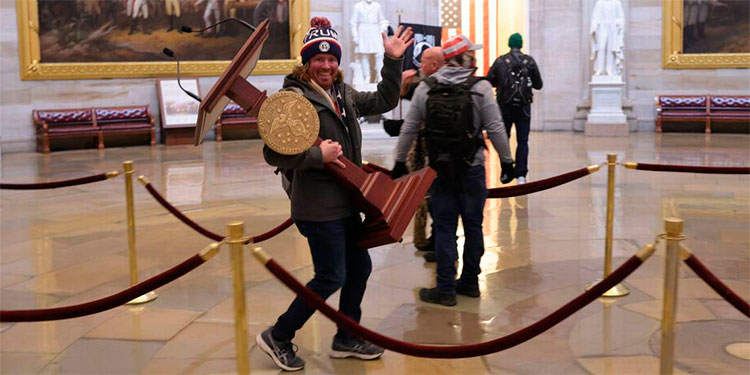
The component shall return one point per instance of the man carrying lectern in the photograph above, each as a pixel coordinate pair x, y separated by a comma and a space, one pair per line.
323, 209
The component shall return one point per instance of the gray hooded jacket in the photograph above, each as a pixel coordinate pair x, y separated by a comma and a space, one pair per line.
486, 114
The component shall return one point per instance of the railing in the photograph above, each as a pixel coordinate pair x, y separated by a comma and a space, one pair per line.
607, 286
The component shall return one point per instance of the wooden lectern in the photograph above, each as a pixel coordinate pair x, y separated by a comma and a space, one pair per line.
388, 204
233, 85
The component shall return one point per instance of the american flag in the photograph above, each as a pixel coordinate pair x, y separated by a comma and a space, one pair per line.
478, 20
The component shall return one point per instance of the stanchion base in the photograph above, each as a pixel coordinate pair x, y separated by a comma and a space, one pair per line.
739, 350
618, 290
146, 298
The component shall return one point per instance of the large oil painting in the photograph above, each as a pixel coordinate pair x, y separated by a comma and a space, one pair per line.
706, 34
125, 38
716, 26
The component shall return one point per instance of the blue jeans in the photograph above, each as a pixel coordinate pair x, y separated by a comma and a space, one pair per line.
447, 203
338, 263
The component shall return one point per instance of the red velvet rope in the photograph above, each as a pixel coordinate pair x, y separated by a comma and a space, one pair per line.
511, 191
456, 351
728, 294
106, 303
533, 187
214, 236
273, 232
55, 184
692, 168
174, 211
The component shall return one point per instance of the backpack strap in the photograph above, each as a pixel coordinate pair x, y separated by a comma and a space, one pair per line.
508, 60
431, 82
471, 81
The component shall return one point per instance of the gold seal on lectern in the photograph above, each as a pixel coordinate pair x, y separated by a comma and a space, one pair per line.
288, 123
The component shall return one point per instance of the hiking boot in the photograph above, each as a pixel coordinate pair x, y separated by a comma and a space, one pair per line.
283, 353
467, 290
355, 347
433, 296
430, 257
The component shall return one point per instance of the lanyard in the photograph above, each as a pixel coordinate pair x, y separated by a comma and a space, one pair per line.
339, 103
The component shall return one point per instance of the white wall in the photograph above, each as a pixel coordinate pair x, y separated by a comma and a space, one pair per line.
560, 44
646, 78
558, 40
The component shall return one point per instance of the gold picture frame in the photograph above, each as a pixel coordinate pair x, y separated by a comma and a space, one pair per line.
31, 68
673, 56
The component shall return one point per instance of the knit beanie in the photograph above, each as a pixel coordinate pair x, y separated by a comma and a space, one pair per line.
321, 38
515, 41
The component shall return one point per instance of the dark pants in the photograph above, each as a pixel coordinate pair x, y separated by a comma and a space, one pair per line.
521, 116
338, 263
447, 203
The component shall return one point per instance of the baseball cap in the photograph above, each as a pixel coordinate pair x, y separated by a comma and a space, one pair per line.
457, 45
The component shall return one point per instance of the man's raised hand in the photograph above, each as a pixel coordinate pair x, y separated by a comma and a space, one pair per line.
397, 45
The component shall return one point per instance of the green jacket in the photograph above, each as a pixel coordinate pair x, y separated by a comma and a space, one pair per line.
315, 193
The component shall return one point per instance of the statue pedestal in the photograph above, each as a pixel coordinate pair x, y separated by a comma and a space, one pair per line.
606, 118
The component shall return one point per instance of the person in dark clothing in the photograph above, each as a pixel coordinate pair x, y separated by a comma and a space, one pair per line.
514, 75
323, 209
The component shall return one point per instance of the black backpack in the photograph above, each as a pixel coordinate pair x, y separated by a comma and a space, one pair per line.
516, 89
452, 141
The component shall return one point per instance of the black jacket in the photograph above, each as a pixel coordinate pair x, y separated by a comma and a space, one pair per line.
499, 69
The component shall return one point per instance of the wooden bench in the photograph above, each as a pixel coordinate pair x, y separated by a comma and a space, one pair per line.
125, 120
702, 108
728, 108
91, 122
63, 123
681, 108
235, 117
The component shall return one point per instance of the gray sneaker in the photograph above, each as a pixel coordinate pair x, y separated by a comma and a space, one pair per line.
281, 352
355, 347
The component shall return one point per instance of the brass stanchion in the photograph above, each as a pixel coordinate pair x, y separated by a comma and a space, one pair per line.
235, 232
620, 289
673, 227
127, 167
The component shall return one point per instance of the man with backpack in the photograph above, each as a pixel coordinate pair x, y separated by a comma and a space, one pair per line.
451, 108
514, 75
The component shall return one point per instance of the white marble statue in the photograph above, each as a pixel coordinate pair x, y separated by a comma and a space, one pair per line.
607, 35
367, 23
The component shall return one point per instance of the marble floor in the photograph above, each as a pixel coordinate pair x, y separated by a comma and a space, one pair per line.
67, 246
